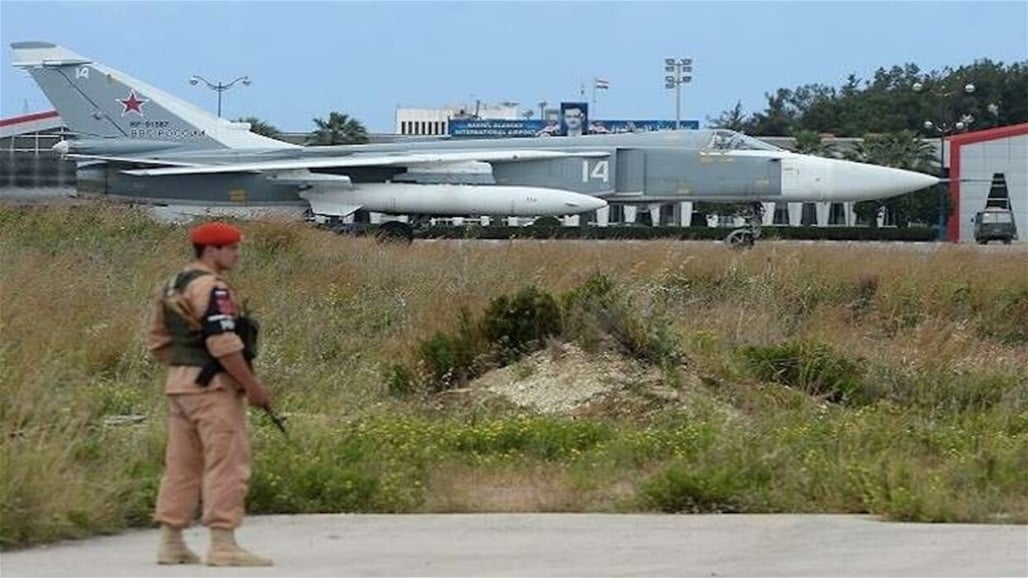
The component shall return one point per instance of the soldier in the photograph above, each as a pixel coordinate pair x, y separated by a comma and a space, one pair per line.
195, 330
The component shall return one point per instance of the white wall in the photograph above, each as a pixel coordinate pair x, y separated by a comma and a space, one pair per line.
978, 162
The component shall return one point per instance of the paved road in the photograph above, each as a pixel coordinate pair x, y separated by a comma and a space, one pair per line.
564, 545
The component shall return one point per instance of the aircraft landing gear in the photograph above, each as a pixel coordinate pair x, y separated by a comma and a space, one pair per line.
394, 232
400, 232
747, 235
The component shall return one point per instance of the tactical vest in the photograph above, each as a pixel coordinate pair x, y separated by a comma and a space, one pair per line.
188, 339
186, 327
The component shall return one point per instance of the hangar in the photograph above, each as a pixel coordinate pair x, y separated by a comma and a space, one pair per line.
988, 168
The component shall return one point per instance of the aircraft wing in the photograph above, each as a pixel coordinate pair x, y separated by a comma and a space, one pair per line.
136, 160
359, 160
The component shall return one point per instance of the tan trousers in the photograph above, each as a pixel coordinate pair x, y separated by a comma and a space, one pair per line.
208, 454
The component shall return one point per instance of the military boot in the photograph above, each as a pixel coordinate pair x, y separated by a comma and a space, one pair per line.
172, 548
225, 552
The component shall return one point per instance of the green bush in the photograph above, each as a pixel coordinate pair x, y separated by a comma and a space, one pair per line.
598, 313
444, 360
1009, 321
439, 353
311, 488
401, 380
693, 490
515, 325
812, 367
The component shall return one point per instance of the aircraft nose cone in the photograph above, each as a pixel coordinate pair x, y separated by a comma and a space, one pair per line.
859, 181
61, 148
585, 203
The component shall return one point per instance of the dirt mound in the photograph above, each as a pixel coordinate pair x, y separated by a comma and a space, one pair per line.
563, 379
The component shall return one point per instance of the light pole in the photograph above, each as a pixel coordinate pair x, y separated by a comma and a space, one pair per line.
993, 109
678, 73
219, 87
944, 129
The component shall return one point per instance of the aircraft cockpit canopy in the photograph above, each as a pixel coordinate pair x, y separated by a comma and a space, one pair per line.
729, 140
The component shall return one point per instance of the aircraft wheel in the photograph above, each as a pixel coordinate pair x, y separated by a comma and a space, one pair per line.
740, 239
395, 232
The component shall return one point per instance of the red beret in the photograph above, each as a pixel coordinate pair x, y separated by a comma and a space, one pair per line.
215, 233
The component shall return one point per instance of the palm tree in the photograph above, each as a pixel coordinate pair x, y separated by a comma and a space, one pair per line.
338, 129
809, 142
260, 127
902, 150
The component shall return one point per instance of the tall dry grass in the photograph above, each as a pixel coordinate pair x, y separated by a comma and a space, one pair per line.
940, 335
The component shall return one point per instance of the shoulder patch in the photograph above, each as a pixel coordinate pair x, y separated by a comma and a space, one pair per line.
221, 302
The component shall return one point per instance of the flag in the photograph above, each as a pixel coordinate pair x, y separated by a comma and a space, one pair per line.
601, 84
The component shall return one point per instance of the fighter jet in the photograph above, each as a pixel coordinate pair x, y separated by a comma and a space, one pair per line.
138, 143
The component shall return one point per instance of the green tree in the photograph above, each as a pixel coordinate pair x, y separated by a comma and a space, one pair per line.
778, 118
887, 107
902, 150
260, 127
809, 142
731, 119
888, 103
338, 129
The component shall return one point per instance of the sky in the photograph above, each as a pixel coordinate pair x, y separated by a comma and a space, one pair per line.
367, 58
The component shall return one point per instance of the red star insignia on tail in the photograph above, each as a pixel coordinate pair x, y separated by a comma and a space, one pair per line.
132, 104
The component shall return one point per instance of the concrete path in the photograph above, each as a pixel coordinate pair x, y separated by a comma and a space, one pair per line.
564, 545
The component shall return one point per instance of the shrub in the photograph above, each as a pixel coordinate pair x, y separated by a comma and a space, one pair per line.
597, 312
514, 325
1009, 321
693, 490
442, 361
401, 380
812, 367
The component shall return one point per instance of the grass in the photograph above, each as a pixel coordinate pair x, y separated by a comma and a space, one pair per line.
816, 378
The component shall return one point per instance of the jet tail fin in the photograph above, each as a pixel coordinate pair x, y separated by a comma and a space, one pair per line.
98, 101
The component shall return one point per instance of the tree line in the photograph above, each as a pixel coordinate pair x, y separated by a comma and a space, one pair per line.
890, 102
888, 112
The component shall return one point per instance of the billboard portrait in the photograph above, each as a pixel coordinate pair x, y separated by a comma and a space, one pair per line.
574, 118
